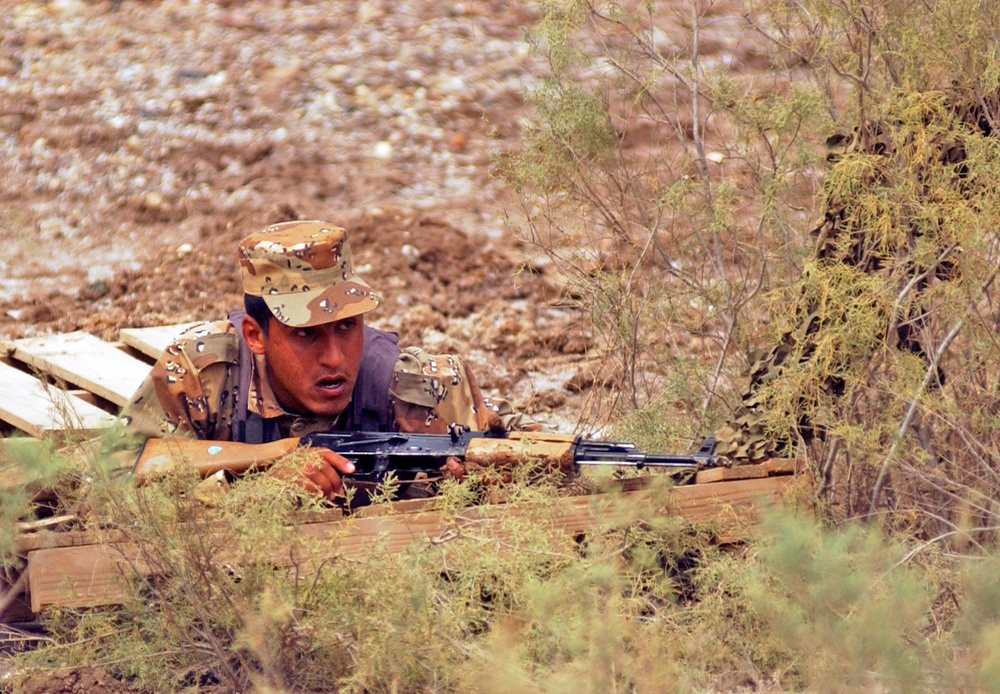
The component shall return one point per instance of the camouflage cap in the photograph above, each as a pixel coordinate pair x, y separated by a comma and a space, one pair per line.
303, 271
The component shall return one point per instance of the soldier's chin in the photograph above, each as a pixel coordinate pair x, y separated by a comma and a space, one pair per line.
330, 401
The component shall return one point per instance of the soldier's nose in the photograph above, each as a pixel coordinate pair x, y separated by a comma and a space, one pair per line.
331, 353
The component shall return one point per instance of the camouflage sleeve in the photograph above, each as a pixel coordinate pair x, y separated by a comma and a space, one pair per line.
430, 393
189, 390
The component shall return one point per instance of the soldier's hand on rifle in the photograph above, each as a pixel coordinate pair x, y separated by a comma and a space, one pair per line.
322, 473
452, 468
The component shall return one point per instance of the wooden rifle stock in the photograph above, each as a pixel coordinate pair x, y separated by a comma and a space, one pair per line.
159, 457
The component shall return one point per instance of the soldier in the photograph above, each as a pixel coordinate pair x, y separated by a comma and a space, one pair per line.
299, 359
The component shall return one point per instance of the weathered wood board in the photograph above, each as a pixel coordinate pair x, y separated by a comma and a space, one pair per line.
103, 374
39, 409
91, 574
85, 361
152, 341
727, 474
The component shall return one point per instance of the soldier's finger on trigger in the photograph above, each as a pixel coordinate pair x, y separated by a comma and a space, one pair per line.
338, 462
455, 467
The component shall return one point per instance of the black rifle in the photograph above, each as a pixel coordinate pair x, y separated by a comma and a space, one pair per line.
376, 454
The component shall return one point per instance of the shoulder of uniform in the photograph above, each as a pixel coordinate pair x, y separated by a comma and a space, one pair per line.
422, 378
207, 343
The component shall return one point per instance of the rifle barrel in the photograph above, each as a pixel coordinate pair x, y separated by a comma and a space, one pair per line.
624, 453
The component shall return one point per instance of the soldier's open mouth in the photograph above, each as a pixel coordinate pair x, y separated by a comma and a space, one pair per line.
331, 383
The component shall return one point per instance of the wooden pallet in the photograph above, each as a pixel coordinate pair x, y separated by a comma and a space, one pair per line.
78, 569
39, 409
75, 382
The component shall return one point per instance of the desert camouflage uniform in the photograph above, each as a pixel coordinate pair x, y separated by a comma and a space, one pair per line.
303, 272
191, 392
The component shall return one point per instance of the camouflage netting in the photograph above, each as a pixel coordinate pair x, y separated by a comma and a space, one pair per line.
921, 152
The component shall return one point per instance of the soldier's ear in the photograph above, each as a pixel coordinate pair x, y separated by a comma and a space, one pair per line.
254, 335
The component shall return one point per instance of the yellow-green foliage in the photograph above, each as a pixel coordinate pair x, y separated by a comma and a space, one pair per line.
659, 187
845, 603
978, 629
677, 196
644, 603
28, 466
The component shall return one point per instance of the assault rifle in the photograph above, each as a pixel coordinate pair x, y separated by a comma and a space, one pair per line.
376, 454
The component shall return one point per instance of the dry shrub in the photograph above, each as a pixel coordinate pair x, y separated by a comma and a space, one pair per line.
825, 222
237, 598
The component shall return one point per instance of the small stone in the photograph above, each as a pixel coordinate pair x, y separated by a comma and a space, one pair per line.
337, 73
368, 12
153, 200
53, 228
382, 150
411, 254
184, 249
9, 66
452, 85
11, 122
36, 38
68, 8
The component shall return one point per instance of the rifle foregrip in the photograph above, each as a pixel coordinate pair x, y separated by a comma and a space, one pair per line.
555, 449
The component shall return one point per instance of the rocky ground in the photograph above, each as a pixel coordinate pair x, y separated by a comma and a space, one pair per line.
140, 140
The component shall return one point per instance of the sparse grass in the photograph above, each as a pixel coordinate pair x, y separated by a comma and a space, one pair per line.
645, 604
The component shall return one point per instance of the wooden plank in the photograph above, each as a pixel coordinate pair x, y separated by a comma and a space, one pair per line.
38, 409
90, 575
14, 602
45, 523
728, 474
79, 576
152, 341
85, 395
85, 361
784, 466
47, 539
17, 610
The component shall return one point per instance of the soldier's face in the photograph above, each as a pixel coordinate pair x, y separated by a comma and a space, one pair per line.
312, 370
